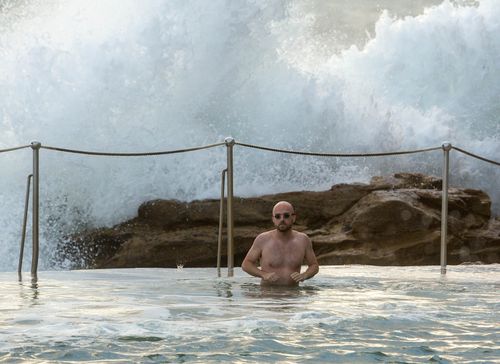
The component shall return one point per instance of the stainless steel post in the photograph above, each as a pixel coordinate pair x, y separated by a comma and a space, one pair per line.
36, 207
221, 217
230, 243
25, 222
444, 205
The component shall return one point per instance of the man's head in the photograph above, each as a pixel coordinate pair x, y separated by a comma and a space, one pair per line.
283, 216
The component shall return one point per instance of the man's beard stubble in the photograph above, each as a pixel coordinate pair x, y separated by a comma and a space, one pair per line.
283, 228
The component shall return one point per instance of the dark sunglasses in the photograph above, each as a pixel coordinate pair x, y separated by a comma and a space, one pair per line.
286, 215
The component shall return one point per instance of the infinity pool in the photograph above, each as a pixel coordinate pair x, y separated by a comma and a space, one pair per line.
346, 314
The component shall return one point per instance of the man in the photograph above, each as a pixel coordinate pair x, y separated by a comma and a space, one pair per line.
281, 252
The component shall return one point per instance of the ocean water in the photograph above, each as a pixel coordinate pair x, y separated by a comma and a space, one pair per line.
346, 314
323, 76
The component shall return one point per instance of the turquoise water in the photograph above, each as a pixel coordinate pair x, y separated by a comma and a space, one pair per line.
359, 314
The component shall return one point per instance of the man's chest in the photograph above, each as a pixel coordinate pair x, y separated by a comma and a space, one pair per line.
283, 255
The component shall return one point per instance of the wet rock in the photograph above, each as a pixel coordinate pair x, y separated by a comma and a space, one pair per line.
393, 220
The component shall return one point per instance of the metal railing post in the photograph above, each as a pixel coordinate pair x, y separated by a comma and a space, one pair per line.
444, 205
25, 223
221, 217
36, 207
229, 206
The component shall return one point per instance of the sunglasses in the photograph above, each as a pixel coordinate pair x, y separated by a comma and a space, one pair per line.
286, 215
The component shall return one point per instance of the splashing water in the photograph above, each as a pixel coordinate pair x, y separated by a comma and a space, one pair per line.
125, 76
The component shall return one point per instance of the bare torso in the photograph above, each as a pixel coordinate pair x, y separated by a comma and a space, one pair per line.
281, 252
283, 256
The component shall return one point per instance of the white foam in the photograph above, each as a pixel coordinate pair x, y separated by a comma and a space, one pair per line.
167, 75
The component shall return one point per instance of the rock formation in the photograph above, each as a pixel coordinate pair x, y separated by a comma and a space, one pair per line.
390, 221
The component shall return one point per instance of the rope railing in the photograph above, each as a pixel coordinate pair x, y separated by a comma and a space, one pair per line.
230, 143
476, 156
140, 154
253, 146
353, 155
15, 148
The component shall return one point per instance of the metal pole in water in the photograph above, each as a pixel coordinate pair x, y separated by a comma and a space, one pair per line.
230, 244
221, 217
36, 206
444, 205
25, 222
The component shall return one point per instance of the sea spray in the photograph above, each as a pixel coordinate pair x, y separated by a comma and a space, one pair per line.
127, 77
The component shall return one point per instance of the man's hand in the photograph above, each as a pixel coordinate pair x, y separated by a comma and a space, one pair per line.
270, 277
297, 277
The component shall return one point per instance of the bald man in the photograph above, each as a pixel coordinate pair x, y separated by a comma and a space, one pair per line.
281, 252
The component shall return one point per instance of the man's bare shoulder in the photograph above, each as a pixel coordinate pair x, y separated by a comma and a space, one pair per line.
301, 236
265, 236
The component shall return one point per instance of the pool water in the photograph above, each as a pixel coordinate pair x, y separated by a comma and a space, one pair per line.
346, 314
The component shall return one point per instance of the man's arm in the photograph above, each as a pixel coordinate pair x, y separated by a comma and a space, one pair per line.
249, 264
312, 262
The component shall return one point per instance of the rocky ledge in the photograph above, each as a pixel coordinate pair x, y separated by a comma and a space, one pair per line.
392, 220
